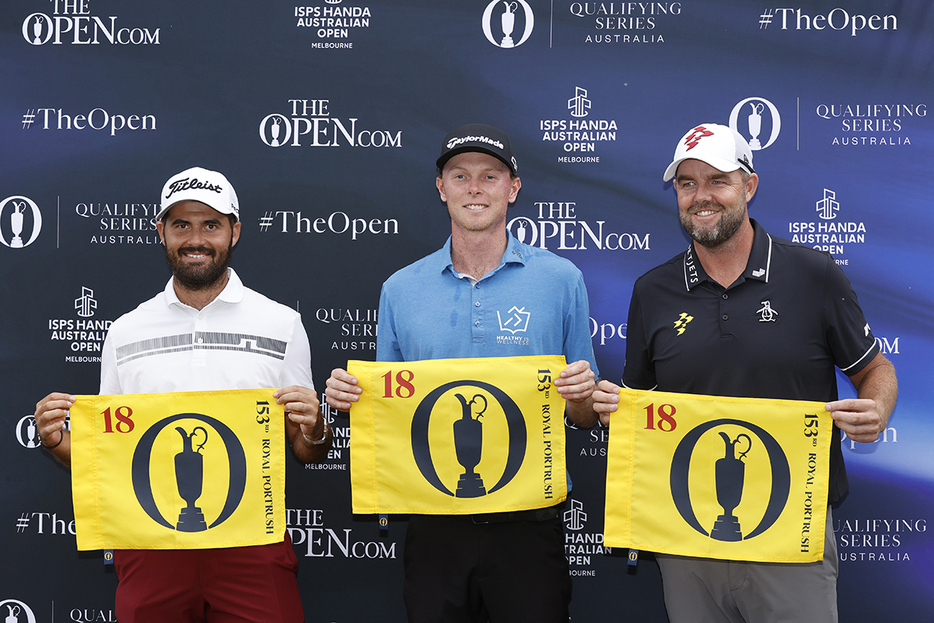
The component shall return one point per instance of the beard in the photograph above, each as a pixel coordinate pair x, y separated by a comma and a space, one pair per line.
201, 277
712, 237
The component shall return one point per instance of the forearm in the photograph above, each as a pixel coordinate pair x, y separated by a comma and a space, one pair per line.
59, 445
880, 385
313, 447
581, 413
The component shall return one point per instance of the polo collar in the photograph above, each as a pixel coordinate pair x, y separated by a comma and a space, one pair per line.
758, 265
514, 254
232, 292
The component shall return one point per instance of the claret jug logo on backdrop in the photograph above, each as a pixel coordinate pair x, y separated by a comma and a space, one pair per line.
14, 611
472, 400
20, 222
503, 19
758, 120
189, 470
25, 432
761, 453
71, 22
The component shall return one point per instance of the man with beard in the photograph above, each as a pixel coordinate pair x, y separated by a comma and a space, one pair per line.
741, 313
190, 338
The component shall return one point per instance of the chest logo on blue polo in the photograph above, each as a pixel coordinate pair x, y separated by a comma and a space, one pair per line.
516, 320
766, 313
681, 324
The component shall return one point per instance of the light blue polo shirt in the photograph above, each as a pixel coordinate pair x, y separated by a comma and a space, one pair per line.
533, 303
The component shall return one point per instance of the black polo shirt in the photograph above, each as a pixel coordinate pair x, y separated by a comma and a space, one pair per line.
777, 332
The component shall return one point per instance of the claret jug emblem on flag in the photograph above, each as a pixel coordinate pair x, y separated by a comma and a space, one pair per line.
457, 436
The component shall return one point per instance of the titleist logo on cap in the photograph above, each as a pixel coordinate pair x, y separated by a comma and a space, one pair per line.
454, 142
188, 183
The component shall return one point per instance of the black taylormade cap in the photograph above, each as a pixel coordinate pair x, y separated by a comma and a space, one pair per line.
478, 137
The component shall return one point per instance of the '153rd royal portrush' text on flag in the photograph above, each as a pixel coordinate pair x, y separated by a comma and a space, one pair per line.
188, 470
714, 477
457, 436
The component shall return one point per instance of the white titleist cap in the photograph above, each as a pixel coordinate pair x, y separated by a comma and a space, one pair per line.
196, 184
718, 145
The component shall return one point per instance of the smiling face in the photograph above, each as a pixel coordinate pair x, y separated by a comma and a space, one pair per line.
477, 188
198, 240
711, 203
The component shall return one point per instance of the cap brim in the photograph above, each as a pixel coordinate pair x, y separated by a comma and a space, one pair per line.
720, 164
166, 209
440, 162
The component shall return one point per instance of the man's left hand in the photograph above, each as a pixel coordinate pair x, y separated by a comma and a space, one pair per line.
576, 382
301, 407
859, 418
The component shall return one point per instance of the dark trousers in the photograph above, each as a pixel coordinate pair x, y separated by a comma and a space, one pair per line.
461, 571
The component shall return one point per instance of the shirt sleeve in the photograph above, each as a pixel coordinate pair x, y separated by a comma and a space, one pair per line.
110, 380
578, 345
851, 341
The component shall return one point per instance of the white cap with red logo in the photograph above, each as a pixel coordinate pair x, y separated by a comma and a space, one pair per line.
718, 145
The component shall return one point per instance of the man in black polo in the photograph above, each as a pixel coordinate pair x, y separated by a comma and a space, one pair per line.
741, 313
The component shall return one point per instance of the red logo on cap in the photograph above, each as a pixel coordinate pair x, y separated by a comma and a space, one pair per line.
695, 136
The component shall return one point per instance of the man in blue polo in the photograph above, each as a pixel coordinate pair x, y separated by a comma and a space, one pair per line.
456, 303
741, 313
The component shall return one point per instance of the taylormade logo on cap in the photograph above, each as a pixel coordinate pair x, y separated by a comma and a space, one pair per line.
454, 142
478, 137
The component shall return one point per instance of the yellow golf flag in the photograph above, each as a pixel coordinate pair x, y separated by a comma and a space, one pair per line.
193, 470
715, 477
457, 436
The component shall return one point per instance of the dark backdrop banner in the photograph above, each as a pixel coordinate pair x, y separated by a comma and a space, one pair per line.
327, 116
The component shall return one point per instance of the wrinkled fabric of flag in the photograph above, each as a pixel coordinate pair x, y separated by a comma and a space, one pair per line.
716, 477
192, 470
457, 436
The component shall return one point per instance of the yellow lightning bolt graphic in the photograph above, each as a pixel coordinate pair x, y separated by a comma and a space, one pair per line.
682, 322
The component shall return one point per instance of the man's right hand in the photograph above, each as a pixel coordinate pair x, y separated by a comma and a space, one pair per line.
50, 416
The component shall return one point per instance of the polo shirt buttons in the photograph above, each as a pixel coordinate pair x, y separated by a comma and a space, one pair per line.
725, 317
477, 323
477, 304
726, 296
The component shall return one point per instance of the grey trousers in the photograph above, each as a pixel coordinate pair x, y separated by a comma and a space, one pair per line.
703, 590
